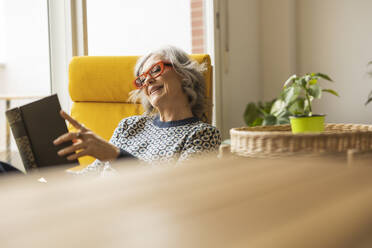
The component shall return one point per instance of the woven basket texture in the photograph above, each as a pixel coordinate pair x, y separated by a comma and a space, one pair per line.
266, 141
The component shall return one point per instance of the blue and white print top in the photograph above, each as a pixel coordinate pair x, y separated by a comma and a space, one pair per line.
151, 140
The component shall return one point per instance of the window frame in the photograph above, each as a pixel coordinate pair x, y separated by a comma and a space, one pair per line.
67, 38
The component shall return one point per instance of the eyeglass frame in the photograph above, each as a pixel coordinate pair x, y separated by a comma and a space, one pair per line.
162, 66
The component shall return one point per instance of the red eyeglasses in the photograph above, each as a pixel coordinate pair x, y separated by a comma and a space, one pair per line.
155, 71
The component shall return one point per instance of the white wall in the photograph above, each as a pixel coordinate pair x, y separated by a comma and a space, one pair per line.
278, 45
337, 40
240, 67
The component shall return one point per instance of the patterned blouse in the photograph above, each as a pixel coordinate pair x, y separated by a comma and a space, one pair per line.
156, 142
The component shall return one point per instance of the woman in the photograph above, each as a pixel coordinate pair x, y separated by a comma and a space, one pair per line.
171, 89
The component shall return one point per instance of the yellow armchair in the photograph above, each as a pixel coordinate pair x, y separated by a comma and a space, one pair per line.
99, 87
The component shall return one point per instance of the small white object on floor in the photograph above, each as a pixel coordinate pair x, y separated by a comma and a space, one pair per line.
42, 180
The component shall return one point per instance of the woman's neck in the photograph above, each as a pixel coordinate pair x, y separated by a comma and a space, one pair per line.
175, 113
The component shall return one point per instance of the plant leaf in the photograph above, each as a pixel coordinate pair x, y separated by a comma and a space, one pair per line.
257, 122
331, 92
269, 120
262, 111
324, 76
369, 96
285, 114
313, 81
368, 100
251, 113
254, 114
298, 107
303, 83
283, 120
290, 94
289, 81
268, 105
278, 107
315, 91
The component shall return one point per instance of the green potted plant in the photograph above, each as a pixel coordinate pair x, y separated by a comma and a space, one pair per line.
260, 114
296, 99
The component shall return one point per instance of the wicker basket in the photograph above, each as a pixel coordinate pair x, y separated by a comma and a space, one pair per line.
264, 141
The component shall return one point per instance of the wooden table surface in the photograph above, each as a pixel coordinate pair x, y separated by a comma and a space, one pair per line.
232, 202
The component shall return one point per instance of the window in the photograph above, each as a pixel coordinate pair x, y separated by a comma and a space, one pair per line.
24, 47
134, 27
2, 38
24, 55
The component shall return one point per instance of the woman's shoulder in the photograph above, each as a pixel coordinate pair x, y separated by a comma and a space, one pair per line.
206, 126
202, 129
203, 137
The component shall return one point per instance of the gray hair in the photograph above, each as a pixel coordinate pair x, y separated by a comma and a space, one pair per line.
191, 72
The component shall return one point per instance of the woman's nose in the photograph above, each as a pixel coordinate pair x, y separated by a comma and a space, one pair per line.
149, 80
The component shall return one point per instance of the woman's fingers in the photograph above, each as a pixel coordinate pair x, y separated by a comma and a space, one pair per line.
88, 144
71, 149
78, 155
71, 120
67, 137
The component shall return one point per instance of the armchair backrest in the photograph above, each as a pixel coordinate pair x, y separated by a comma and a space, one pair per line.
99, 88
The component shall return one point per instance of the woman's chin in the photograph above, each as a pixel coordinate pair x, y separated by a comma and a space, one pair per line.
155, 100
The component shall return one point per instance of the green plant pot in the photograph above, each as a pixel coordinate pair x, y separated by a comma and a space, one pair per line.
307, 124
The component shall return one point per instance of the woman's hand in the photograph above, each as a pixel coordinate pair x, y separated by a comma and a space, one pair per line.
86, 142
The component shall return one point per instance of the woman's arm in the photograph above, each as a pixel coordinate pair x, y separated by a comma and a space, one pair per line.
202, 141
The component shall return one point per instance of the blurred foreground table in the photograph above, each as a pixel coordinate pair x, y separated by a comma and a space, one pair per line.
281, 203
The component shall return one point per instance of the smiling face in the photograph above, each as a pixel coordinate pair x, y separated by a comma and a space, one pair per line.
164, 91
